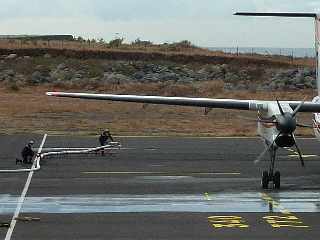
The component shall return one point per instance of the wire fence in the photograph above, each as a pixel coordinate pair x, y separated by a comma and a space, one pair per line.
87, 45
286, 52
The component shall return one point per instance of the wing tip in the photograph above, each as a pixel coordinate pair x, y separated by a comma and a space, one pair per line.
52, 94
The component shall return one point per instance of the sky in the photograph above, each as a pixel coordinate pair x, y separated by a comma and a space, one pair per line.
206, 23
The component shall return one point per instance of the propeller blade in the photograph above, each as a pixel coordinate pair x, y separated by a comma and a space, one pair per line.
267, 121
304, 125
280, 108
298, 108
259, 158
298, 150
249, 119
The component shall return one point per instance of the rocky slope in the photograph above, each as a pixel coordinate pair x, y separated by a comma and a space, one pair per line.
19, 71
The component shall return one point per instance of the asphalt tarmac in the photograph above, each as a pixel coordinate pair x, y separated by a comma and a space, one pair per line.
161, 188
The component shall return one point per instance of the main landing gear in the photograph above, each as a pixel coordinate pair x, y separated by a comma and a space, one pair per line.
271, 175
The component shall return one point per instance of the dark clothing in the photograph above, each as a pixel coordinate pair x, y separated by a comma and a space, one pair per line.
104, 139
27, 154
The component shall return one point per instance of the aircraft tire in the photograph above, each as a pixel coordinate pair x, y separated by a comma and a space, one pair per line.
276, 180
265, 180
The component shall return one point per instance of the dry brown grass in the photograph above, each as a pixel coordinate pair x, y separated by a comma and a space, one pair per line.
29, 110
153, 52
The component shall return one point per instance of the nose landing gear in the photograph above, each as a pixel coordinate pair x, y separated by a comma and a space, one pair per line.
271, 176
266, 178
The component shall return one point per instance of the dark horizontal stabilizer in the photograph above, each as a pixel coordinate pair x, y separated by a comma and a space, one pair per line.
279, 14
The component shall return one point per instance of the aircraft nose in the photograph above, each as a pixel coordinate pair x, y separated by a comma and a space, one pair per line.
286, 124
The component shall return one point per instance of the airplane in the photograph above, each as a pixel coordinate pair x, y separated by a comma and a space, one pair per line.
277, 120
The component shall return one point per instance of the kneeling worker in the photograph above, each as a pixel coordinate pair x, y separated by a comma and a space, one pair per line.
27, 153
105, 138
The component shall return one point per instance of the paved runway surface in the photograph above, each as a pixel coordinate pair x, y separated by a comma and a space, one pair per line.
162, 188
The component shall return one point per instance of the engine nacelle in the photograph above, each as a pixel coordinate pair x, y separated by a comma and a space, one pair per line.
285, 140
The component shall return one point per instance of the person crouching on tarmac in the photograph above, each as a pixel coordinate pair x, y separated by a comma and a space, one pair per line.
105, 138
27, 153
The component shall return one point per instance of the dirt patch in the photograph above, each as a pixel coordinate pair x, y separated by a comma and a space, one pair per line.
30, 110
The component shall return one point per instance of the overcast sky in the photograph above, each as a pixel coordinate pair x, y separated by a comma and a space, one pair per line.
204, 22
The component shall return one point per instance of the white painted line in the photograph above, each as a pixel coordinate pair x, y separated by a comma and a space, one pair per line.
304, 156
166, 173
24, 193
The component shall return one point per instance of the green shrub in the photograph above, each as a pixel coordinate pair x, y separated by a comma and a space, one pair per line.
13, 86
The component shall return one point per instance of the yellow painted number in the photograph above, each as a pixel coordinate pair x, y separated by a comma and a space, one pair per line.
227, 222
285, 221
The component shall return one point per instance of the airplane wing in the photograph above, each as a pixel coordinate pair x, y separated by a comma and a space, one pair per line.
186, 101
180, 101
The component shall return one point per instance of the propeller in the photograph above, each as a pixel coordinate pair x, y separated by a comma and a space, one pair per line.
298, 150
259, 158
298, 108
286, 124
255, 120
304, 125
280, 108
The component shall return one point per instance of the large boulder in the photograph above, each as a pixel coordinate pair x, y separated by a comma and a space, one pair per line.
115, 78
47, 55
151, 77
138, 75
10, 73
12, 56
7, 75
62, 73
38, 77
216, 71
168, 76
61, 66
232, 77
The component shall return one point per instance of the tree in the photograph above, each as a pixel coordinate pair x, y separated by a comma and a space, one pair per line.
80, 39
116, 42
184, 44
140, 42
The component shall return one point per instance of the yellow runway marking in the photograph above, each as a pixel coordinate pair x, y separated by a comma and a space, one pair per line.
288, 221
227, 222
274, 203
164, 173
296, 154
207, 196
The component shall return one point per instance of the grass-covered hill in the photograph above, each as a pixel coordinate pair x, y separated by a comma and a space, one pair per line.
28, 70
